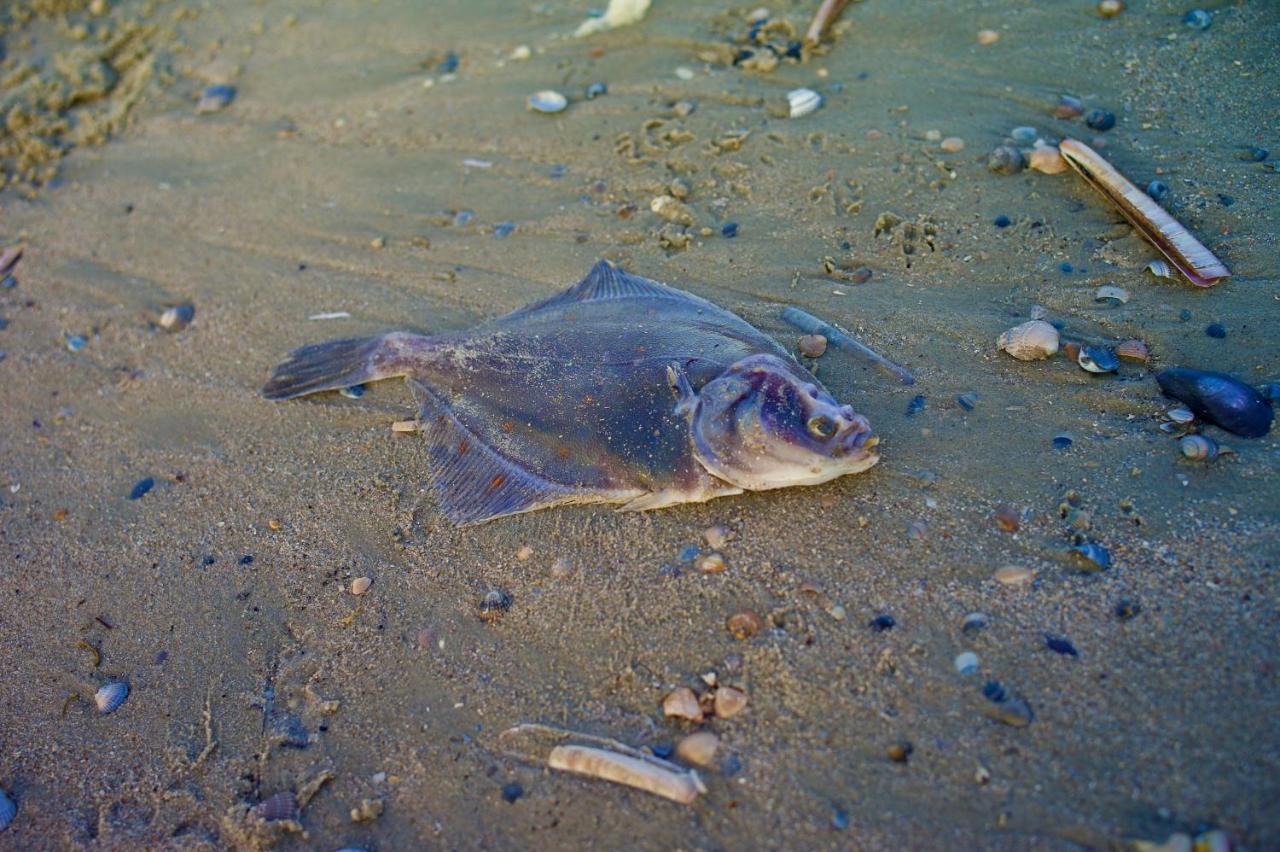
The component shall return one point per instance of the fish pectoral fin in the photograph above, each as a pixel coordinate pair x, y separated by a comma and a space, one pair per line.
686, 398
675, 496
472, 481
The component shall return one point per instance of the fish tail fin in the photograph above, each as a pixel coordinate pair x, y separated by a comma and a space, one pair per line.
342, 363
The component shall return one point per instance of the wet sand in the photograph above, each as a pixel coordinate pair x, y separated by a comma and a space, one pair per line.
221, 595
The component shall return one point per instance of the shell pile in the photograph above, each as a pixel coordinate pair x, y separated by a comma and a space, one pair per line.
1031, 341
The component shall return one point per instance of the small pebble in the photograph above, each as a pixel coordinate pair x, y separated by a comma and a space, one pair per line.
729, 230
1157, 189
1006, 160
1065, 268
1013, 575
744, 624
8, 282
1253, 154
177, 317
698, 748
899, 752
547, 102
988, 37
1060, 646
1100, 120
353, 392
1127, 609
595, 90
968, 401
967, 663
1002, 221
1197, 19
449, 64
215, 98
360, 585
463, 217
1068, 107
952, 144
839, 819
881, 623
683, 73
1110, 8
916, 405
974, 623
1023, 134
76, 342
1005, 706
512, 791
1006, 518
503, 229
495, 604
247, 559
1216, 330
812, 345
141, 487
1061, 442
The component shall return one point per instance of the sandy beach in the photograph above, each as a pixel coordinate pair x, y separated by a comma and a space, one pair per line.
378, 165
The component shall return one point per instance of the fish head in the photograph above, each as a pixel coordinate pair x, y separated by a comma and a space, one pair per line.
765, 423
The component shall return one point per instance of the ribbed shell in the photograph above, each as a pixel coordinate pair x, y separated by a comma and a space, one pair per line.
110, 696
1030, 341
803, 101
283, 805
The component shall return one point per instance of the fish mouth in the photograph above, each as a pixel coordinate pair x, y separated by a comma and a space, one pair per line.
857, 441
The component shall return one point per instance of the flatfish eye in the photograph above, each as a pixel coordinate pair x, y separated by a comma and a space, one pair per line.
822, 426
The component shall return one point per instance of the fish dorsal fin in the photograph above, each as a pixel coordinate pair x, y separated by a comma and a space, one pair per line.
608, 281
471, 480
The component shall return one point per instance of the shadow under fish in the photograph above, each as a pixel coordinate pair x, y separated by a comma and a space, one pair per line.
618, 390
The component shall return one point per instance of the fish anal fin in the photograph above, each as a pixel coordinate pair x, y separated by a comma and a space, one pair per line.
705, 490
471, 480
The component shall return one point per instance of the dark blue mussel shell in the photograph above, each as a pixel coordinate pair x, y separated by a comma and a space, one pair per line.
1219, 399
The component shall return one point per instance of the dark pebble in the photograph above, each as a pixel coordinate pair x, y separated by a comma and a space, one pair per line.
1065, 267
861, 275
839, 819
502, 229
1061, 442
1002, 221
1216, 330
595, 90
916, 405
1253, 154
1226, 200
731, 766
899, 752
247, 559
1184, 315
512, 791
463, 217
142, 486
1068, 107
1060, 646
1157, 189
216, 98
663, 750
967, 401
688, 553
1197, 19
730, 230
4, 323
8, 282
881, 623
449, 64
1127, 609
353, 392
1100, 119
208, 560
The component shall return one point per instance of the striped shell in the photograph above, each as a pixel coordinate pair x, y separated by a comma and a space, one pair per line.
803, 101
1160, 269
1133, 350
1030, 341
1187, 254
283, 805
8, 810
110, 696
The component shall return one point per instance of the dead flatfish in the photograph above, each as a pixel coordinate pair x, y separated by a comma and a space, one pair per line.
618, 390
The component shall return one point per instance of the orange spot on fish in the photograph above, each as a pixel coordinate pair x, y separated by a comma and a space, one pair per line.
640, 350
497, 481
508, 426
463, 446
563, 452
588, 399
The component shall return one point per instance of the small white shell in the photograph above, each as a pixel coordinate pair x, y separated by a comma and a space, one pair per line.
7, 810
1111, 293
547, 101
1160, 269
803, 101
111, 695
1181, 415
967, 662
1030, 341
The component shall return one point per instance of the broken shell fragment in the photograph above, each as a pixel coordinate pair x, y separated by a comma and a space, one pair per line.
110, 696
729, 702
812, 345
1111, 294
1097, 359
360, 585
178, 317
1030, 341
803, 101
1187, 254
698, 749
1133, 350
652, 776
1047, 160
744, 624
681, 703
1006, 160
1180, 415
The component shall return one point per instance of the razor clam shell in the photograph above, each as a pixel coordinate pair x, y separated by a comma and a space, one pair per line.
674, 784
1175, 242
110, 696
803, 101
